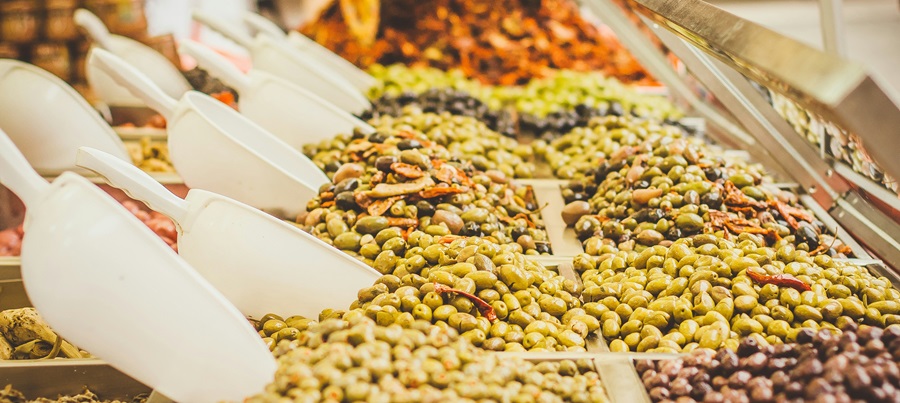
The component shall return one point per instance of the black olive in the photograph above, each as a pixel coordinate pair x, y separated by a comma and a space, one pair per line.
806, 234
516, 232
542, 247
712, 173
345, 201
384, 163
345, 185
472, 229
358, 133
575, 185
377, 137
673, 234
712, 200
407, 97
409, 144
425, 209
332, 166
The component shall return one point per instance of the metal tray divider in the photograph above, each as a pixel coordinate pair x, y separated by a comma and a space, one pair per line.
655, 62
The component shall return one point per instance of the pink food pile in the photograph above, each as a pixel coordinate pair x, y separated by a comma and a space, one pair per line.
11, 241
11, 238
158, 223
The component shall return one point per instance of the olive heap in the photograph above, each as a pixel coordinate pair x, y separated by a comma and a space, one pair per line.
353, 358
706, 291
857, 365
568, 99
398, 79
495, 297
546, 107
440, 100
401, 181
653, 186
465, 138
576, 154
459, 138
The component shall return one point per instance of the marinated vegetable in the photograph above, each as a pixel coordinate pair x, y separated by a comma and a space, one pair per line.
503, 43
24, 335
648, 184
350, 357
393, 182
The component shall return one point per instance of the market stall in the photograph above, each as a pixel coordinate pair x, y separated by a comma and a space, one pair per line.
632, 201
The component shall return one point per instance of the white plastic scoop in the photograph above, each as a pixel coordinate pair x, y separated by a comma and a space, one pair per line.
356, 76
147, 60
48, 120
214, 148
288, 111
260, 263
279, 58
106, 283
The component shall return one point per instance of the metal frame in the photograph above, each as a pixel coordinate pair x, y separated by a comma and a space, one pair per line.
832, 26
657, 64
829, 86
722, 51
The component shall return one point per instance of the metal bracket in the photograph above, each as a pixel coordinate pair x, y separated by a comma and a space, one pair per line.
657, 64
790, 150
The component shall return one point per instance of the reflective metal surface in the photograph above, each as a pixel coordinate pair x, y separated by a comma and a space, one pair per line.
836, 89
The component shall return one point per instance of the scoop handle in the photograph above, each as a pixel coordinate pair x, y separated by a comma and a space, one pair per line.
136, 82
263, 25
94, 27
216, 64
17, 174
227, 30
134, 182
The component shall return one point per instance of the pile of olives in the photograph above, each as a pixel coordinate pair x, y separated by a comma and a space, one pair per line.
457, 138
577, 154
546, 107
398, 79
402, 181
440, 100
531, 307
642, 184
353, 358
698, 293
857, 365
465, 138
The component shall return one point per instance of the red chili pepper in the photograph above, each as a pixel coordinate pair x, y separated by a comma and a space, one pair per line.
486, 309
781, 280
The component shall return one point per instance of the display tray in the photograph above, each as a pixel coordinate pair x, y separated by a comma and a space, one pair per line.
67, 377
137, 133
